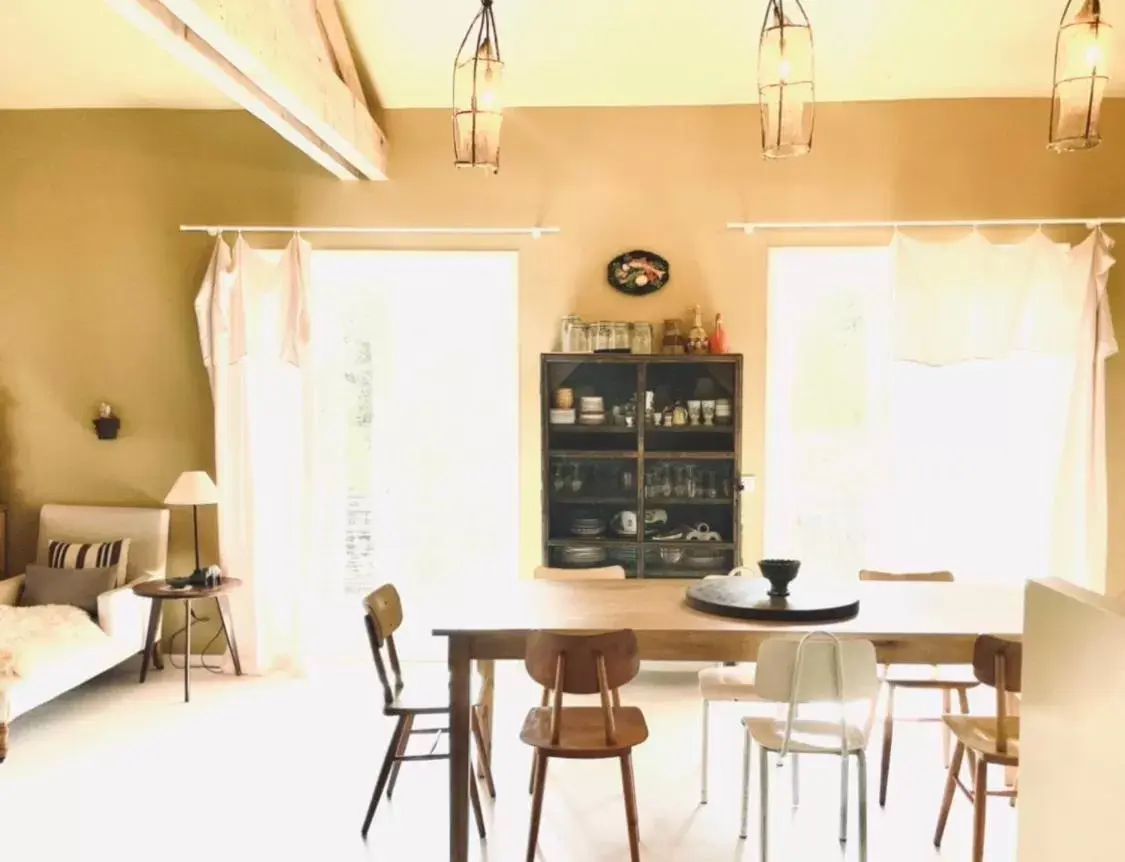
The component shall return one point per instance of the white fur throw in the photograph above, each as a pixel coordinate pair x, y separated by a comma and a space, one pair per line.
30, 636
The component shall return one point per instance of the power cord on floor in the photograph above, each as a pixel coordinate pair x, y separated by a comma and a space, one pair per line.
203, 655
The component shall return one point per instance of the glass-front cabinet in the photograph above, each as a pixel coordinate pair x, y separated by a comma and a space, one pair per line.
641, 463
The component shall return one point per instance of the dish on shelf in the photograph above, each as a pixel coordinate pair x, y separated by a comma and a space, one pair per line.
704, 559
562, 417
592, 404
625, 556
591, 419
587, 527
583, 555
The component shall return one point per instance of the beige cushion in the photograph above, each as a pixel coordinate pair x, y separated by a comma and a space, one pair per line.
727, 683
146, 530
62, 554
77, 588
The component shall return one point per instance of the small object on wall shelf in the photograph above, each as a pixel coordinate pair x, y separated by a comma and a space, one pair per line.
638, 273
719, 344
106, 425
697, 341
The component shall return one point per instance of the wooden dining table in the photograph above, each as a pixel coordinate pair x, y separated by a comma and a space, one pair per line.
909, 623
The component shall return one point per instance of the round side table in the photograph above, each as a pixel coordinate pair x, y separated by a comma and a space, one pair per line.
161, 592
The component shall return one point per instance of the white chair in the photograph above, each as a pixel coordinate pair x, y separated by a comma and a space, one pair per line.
730, 683
818, 668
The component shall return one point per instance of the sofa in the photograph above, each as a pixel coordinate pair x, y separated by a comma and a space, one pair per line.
58, 660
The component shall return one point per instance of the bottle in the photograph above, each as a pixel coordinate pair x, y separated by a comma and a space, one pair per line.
719, 337
697, 341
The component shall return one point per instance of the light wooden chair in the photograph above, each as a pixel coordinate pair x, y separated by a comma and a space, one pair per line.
383, 618
987, 739
947, 680
584, 664
818, 668
546, 573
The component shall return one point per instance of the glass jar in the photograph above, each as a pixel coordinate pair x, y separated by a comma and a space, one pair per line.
622, 335
578, 338
673, 341
642, 338
601, 339
564, 332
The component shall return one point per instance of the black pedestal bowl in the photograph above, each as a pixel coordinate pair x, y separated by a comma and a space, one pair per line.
779, 573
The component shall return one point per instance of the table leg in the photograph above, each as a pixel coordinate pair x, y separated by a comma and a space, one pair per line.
150, 637
487, 670
187, 650
460, 672
227, 622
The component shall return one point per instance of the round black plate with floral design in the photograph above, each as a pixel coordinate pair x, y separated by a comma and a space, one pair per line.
638, 273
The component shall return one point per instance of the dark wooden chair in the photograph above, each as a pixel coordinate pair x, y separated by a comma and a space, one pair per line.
584, 664
383, 618
946, 680
986, 739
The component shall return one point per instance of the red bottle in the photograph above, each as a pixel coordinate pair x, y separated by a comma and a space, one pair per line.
719, 337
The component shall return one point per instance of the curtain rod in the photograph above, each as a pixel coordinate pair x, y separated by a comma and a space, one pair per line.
216, 229
750, 227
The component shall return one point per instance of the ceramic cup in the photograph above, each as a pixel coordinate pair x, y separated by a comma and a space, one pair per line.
625, 523
708, 412
564, 398
694, 409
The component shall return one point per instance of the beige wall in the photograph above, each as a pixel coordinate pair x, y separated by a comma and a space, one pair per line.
97, 283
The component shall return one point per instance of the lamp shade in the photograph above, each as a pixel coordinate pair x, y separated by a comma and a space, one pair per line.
193, 488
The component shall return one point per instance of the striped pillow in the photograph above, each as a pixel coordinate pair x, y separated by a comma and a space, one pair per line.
90, 555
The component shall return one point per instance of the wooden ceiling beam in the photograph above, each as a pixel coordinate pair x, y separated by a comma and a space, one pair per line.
328, 13
267, 57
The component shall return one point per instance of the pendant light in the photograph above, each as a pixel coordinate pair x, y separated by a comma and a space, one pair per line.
786, 95
1081, 76
477, 112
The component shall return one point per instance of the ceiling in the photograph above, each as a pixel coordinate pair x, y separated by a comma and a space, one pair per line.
80, 53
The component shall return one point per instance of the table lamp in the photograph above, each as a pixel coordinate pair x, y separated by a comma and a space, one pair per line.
194, 488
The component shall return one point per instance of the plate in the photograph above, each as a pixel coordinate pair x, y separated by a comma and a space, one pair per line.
637, 272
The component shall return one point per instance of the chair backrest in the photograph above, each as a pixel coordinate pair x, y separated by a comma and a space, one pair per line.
907, 577
777, 678
604, 573
583, 664
383, 618
999, 663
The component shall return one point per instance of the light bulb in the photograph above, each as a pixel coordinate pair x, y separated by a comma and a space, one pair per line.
487, 100
1093, 54
784, 70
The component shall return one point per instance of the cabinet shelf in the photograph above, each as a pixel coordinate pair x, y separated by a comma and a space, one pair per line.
606, 457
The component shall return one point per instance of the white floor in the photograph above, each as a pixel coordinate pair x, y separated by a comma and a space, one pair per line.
279, 766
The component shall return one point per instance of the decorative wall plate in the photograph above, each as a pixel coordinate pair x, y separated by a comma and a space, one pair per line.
638, 273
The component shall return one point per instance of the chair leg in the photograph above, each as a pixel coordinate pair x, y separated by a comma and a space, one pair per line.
403, 742
795, 766
946, 736
703, 761
950, 789
763, 803
888, 737
861, 777
980, 803
844, 800
745, 783
485, 755
630, 788
384, 774
542, 705
539, 782
474, 798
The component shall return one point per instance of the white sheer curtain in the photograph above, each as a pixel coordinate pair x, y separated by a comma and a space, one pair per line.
966, 428
270, 355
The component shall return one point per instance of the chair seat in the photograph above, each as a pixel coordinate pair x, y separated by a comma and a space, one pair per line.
808, 737
727, 683
952, 676
582, 731
978, 733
